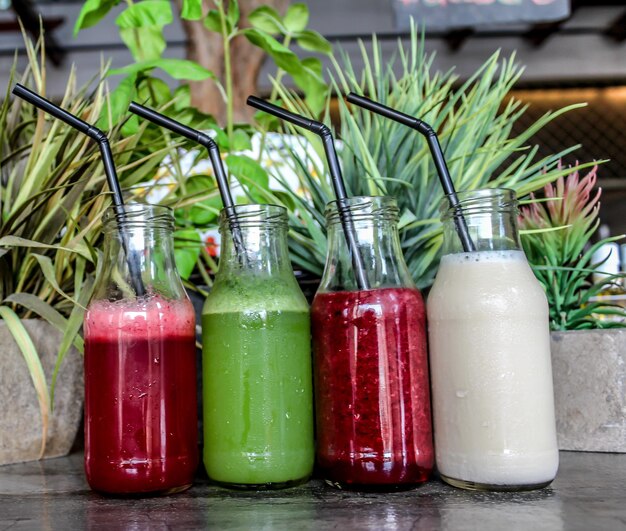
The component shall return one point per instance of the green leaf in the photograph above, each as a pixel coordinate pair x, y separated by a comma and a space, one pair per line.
131, 126
312, 41
213, 21
245, 168
241, 141
145, 44
141, 28
47, 267
233, 13
191, 10
155, 91
313, 86
192, 118
182, 95
186, 251
16, 241
45, 311
92, 12
116, 106
313, 64
266, 19
146, 13
308, 79
183, 69
540, 231
204, 211
286, 199
282, 56
221, 138
72, 330
26, 346
177, 68
296, 18
266, 122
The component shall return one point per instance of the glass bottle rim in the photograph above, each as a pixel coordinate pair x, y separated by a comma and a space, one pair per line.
363, 207
255, 215
139, 215
479, 201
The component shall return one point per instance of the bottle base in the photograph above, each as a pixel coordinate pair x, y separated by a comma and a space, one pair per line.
276, 485
143, 494
471, 485
376, 487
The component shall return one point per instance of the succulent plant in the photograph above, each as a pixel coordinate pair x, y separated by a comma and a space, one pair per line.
556, 231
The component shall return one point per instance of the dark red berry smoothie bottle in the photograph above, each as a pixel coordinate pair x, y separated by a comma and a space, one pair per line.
140, 362
373, 415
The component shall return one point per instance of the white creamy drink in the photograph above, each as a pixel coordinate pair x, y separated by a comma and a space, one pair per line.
491, 372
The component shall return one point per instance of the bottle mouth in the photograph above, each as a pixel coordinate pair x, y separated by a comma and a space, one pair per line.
481, 201
139, 215
382, 207
254, 215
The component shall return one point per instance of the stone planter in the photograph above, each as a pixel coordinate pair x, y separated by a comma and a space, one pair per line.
589, 371
20, 419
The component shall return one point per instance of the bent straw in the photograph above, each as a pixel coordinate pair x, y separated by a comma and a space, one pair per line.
109, 169
216, 161
437, 153
335, 172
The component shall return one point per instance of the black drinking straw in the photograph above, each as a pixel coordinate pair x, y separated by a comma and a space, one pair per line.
335, 172
216, 161
109, 169
437, 153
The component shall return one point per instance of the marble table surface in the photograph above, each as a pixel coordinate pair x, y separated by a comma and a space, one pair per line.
588, 494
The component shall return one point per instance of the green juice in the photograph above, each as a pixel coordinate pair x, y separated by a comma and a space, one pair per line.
258, 412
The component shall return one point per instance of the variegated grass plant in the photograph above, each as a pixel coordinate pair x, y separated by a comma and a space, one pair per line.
53, 192
562, 259
474, 121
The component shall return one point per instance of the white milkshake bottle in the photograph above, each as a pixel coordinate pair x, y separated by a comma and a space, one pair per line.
489, 338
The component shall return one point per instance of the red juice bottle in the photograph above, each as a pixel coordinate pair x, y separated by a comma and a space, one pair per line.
373, 415
140, 363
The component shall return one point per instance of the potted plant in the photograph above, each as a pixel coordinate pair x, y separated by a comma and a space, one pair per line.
588, 332
53, 193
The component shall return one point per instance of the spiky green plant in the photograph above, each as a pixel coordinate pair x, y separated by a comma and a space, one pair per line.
474, 121
559, 258
53, 192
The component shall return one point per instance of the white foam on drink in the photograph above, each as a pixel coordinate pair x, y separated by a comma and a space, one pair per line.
484, 256
491, 372
144, 317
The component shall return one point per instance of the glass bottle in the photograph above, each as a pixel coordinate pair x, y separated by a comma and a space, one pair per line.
140, 365
490, 354
257, 382
371, 368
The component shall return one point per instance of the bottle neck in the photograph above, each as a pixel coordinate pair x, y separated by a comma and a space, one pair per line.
138, 246
490, 216
254, 242
374, 221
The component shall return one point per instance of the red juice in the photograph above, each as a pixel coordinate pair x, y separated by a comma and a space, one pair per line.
140, 396
372, 388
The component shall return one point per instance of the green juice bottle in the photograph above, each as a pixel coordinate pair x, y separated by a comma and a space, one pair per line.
257, 383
